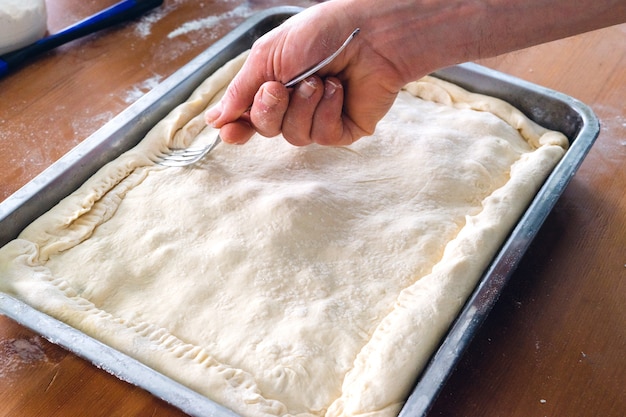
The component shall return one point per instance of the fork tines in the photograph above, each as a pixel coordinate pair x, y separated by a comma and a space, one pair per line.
186, 156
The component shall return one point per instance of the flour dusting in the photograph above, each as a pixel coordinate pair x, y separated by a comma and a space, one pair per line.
209, 22
143, 27
138, 90
86, 125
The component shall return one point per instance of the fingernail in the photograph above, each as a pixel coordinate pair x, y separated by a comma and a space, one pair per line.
213, 114
307, 87
269, 99
330, 88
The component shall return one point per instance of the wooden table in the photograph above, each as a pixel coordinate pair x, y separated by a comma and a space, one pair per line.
554, 344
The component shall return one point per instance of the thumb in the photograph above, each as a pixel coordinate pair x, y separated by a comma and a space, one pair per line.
237, 98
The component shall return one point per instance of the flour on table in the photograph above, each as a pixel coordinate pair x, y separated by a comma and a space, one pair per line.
210, 21
139, 90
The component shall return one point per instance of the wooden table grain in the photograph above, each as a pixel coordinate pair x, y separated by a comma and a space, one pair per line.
554, 343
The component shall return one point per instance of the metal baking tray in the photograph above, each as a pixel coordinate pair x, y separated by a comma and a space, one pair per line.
549, 108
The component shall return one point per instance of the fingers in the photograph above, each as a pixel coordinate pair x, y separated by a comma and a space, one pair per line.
269, 107
311, 112
299, 117
315, 114
329, 122
237, 133
265, 116
238, 96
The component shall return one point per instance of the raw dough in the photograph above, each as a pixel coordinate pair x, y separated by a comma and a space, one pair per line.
289, 281
22, 22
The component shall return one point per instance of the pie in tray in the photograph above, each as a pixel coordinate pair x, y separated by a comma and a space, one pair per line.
280, 280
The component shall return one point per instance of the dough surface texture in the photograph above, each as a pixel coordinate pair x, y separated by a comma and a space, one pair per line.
279, 280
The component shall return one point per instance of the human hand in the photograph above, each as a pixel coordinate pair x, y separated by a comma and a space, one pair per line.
399, 41
337, 106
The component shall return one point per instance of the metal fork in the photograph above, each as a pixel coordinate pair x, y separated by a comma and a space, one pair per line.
181, 157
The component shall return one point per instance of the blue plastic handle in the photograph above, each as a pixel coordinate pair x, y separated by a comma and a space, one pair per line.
119, 12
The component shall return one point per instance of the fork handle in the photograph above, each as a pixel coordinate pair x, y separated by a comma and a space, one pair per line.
323, 63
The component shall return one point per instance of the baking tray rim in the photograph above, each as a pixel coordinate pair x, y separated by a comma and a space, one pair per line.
461, 331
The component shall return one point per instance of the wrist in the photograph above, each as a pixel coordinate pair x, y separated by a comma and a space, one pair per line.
417, 37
